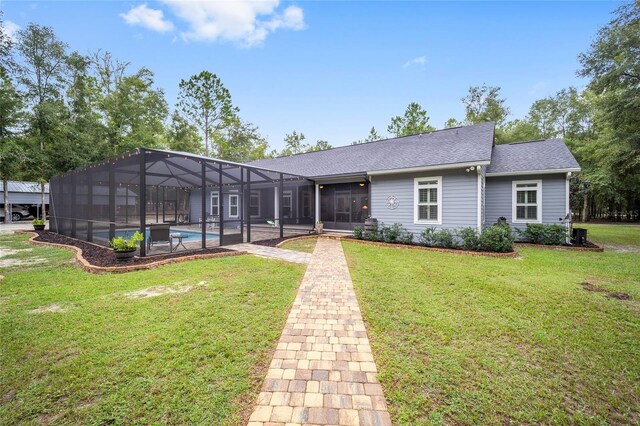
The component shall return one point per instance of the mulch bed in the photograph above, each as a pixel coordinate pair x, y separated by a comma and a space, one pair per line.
101, 256
438, 249
587, 246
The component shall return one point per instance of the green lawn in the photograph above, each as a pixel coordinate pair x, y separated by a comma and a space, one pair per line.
304, 244
197, 355
475, 340
613, 236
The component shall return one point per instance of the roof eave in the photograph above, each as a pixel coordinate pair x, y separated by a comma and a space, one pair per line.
534, 172
428, 168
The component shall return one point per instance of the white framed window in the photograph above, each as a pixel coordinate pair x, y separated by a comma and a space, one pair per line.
527, 201
306, 204
215, 204
254, 204
233, 205
287, 203
427, 200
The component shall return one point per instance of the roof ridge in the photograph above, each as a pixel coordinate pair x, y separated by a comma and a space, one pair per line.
382, 140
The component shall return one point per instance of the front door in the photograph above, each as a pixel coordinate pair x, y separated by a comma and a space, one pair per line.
344, 205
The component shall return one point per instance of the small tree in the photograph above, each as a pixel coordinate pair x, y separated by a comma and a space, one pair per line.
319, 146
204, 99
414, 121
183, 136
294, 144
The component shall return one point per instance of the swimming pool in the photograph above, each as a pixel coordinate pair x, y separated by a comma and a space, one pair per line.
129, 232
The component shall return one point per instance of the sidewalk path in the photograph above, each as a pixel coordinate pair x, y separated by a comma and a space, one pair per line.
272, 252
323, 372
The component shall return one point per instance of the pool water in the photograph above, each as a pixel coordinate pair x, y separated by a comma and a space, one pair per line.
187, 234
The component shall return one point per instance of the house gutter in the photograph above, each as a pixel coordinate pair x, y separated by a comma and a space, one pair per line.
427, 168
535, 172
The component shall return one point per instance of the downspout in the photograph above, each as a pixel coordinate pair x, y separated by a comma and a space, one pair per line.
479, 197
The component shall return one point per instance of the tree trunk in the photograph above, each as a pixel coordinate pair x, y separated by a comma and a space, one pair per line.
585, 208
44, 210
7, 205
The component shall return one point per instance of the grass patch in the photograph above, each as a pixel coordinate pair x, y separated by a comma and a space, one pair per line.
475, 340
79, 348
613, 235
306, 245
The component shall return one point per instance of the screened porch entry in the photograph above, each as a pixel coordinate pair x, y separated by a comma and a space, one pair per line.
179, 201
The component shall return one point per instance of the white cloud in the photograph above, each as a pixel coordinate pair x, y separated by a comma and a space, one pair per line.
10, 29
246, 21
152, 19
419, 61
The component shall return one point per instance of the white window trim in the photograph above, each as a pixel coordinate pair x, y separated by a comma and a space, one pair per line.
237, 205
254, 193
514, 199
289, 195
216, 204
416, 199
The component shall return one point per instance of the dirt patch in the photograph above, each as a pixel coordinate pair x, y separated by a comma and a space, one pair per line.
51, 308
103, 256
162, 290
619, 296
4, 251
8, 263
592, 287
621, 248
589, 286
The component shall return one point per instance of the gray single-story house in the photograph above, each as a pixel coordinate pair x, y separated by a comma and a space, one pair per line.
449, 178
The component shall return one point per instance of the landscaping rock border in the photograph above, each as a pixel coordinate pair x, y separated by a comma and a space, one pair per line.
437, 249
85, 265
596, 249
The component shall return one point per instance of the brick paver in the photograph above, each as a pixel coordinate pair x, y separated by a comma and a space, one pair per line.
272, 252
323, 372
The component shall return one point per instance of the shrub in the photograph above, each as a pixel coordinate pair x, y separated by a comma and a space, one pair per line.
406, 237
427, 237
371, 236
537, 233
555, 235
396, 233
498, 238
533, 233
445, 239
470, 239
358, 232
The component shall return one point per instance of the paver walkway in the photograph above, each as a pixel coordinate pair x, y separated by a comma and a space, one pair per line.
272, 252
322, 372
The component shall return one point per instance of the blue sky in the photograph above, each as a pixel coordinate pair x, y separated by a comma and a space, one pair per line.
333, 69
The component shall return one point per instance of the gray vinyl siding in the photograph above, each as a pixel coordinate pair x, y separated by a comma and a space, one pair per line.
459, 199
499, 198
483, 194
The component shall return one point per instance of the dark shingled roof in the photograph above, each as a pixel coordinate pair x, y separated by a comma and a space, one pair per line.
550, 154
457, 145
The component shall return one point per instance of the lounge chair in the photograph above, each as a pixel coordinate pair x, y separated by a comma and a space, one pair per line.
212, 221
159, 233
